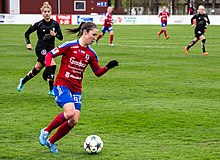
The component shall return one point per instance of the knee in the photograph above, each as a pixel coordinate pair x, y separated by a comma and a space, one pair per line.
69, 111
73, 121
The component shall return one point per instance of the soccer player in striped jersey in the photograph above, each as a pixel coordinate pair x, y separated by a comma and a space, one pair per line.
164, 15
76, 56
107, 26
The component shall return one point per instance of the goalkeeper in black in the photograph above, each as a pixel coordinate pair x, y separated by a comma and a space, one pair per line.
47, 29
202, 21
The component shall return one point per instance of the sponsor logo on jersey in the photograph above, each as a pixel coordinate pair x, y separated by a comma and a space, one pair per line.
80, 64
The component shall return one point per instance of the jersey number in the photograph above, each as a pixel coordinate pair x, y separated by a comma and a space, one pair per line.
67, 75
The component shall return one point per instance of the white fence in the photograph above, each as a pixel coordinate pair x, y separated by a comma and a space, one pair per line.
98, 19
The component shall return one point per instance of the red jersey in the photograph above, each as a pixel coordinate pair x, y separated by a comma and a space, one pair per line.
75, 59
108, 20
164, 15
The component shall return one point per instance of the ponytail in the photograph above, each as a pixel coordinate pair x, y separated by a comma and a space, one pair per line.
83, 26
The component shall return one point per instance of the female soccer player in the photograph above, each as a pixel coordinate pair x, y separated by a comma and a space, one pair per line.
76, 55
201, 24
47, 29
107, 26
164, 14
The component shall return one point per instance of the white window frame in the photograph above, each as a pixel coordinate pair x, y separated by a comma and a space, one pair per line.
75, 9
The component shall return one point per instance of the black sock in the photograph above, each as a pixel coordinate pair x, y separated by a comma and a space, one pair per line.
203, 45
51, 84
30, 75
51, 81
191, 44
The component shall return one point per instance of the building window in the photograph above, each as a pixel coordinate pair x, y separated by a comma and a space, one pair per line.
79, 5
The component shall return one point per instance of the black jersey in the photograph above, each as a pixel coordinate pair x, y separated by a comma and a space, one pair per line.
201, 21
45, 40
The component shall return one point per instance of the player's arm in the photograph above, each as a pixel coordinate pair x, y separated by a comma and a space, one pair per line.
194, 17
207, 19
98, 71
159, 15
30, 30
59, 34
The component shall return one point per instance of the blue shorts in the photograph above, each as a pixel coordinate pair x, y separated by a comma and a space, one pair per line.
104, 29
164, 24
63, 95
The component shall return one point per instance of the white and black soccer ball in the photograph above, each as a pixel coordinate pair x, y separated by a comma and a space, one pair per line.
93, 144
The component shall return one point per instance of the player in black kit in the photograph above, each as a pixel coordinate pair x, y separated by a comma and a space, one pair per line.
201, 24
47, 29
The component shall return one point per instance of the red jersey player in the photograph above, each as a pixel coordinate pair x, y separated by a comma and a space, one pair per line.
107, 26
76, 55
164, 15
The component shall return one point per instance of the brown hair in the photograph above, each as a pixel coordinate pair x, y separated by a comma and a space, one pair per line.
83, 26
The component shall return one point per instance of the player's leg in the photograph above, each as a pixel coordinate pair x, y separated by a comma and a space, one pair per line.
37, 68
101, 34
63, 97
202, 38
62, 131
194, 41
65, 128
161, 31
72, 114
51, 81
66, 100
165, 30
60, 121
111, 37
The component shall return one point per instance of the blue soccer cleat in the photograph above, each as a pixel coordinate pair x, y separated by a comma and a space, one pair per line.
43, 137
52, 147
51, 93
21, 85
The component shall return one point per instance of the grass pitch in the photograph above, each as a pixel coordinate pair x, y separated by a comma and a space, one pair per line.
158, 104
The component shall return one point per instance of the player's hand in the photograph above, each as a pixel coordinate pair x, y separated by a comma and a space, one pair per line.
112, 64
52, 33
47, 74
29, 47
193, 25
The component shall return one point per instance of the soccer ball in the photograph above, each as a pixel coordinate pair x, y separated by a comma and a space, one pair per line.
93, 144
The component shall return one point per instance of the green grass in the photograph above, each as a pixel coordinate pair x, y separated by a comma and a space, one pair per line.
158, 104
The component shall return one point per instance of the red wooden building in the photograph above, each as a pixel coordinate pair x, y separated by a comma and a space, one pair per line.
59, 6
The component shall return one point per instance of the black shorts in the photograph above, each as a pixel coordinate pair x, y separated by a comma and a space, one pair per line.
41, 53
199, 32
